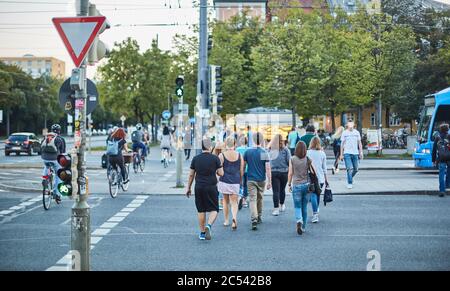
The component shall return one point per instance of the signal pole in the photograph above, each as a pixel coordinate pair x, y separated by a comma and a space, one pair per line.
180, 93
81, 217
202, 76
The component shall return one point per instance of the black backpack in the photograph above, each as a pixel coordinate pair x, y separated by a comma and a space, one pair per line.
443, 149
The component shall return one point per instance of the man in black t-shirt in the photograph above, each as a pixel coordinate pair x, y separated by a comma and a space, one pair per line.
204, 168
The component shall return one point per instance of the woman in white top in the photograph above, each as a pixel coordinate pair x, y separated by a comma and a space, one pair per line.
319, 161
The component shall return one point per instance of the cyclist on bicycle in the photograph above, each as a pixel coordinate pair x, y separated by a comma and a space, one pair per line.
114, 148
52, 145
138, 138
166, 143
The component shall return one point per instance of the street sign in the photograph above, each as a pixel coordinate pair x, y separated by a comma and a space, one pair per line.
78, 34
166, 114
179, 92
184, 109
123, 118
67, 97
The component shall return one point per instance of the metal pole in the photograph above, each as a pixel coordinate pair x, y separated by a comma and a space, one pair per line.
180, 144
202, 95
81, 221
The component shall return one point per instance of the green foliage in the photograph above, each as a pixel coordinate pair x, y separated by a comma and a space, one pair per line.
30, 102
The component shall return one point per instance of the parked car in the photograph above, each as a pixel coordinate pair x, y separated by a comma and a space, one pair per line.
22, 142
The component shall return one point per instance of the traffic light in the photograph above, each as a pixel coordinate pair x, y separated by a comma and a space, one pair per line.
67, 175
219, 94
99, 49
215, 88
210, 43
179, 90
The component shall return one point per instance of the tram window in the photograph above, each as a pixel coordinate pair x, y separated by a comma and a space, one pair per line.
442, 116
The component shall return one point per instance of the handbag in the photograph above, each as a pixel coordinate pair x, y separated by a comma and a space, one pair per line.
314, 186
327, 195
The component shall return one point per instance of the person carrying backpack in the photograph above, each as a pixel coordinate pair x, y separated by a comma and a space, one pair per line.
441, 158
137, 138
114, 148
51, 146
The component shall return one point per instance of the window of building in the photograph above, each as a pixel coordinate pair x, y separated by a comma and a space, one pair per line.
29, 63
373, 120
48, 64
351, 116
394, 120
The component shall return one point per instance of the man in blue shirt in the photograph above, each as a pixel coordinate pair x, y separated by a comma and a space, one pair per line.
258, 163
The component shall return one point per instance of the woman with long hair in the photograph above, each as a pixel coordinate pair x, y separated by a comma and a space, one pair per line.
319, 161
119, 136
279, 161
229, 183
337, 148
298, 184
166, 143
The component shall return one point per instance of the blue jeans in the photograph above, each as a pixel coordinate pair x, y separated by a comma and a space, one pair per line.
140, 145
300, 196
56, 179
244, 189
444, 176
315, 200
351, 164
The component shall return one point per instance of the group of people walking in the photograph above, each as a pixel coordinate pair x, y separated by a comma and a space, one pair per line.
235, 175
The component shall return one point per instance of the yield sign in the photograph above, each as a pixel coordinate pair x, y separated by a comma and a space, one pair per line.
78, 34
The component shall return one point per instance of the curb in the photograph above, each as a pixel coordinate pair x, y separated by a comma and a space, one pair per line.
19, 189
25, 166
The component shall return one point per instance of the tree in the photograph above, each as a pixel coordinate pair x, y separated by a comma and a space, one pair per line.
288, 64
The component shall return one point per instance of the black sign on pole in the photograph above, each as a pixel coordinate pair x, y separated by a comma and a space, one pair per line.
67, 97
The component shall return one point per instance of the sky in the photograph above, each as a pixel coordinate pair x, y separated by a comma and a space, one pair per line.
26, 27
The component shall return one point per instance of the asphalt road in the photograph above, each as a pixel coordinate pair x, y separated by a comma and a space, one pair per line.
160, 233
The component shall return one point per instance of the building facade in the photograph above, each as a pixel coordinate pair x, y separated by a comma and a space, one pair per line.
226, 9
38, 66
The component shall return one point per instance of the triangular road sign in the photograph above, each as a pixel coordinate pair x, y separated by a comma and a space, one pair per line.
78, 34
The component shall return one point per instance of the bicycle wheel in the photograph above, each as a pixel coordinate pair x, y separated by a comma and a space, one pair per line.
135, 163
125, 186
142, 164
113, 181
47, 190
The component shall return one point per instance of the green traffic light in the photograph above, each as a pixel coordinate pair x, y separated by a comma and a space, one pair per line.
65, 189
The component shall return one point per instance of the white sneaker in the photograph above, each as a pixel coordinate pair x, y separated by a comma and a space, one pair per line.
283, 208
276, 212
315, 218
349, 186
337, 170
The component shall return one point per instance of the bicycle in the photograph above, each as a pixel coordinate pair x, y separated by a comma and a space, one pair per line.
48, 190
138, 161
165, 154
115, 179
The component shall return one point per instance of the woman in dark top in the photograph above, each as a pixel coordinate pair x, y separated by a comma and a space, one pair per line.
230, 183
204, 168
119, 136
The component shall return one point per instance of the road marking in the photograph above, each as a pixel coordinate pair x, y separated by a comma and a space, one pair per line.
20, 207
116, 219
109, 224
101, 231
104, 229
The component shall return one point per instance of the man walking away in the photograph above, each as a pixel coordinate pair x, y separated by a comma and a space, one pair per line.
351, 151
293, 138
258, 163
310, 133
204, 168
441, 157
